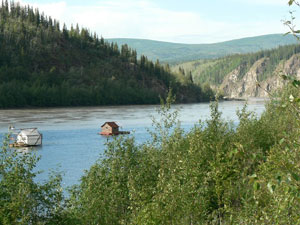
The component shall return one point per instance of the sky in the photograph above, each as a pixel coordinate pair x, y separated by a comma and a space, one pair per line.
184, 21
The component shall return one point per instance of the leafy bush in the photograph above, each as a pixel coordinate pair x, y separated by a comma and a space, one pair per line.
22, 199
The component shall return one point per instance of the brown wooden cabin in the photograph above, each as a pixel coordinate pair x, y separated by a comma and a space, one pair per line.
110, 128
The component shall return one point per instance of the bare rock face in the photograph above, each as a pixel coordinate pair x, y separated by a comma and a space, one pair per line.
233, 87
230, 85
248, 86
269, 85
292, 66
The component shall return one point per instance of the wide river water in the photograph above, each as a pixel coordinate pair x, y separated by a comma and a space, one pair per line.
71, 143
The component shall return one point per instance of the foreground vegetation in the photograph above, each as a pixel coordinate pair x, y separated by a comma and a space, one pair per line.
44, 64
216, 173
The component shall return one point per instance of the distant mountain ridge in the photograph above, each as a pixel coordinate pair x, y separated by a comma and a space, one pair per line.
177, 52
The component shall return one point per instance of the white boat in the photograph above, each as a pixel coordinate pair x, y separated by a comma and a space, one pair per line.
28, 137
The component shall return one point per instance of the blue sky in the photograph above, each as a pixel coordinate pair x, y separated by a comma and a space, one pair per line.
188, 21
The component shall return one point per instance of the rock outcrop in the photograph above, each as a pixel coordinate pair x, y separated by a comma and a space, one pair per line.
249, 86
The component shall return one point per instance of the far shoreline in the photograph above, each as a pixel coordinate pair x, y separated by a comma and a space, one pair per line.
224, 99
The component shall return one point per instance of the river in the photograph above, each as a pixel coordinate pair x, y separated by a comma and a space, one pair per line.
71, 143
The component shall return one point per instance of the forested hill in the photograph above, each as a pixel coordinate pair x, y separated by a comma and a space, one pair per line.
176, 52
44, 64
238, 75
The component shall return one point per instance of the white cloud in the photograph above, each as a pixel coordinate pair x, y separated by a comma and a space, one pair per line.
56, 10
143, 19
264, 2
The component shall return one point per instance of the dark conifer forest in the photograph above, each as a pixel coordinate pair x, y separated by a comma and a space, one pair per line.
43, 64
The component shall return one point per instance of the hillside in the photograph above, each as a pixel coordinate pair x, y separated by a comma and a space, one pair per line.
42, 64
237, 76
175, 52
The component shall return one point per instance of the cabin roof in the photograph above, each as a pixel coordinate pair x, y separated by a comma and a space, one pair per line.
111, 124
30, 132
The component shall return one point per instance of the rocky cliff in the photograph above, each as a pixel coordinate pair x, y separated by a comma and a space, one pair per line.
251, 84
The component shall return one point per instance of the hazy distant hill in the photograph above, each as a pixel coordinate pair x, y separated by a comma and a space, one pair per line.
175, 52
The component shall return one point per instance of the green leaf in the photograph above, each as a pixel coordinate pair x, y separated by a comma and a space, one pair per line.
296, 83
281, 141
233, 152
279, 179
287, 22
256, 186
285, 77
271, 187
296, 176
291, 2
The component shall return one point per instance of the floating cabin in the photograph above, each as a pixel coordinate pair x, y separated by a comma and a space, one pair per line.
28, 137
111, 128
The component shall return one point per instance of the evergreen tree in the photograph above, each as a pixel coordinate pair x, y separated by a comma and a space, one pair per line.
38, 60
